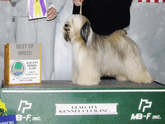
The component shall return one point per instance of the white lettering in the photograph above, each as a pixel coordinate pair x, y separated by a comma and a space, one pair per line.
138, 116
148, 115
156, 117
28, 117
18, 117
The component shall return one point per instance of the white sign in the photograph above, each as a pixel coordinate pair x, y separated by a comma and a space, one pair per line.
37, 9
86, 109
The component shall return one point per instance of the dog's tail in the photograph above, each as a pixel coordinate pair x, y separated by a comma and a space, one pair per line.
123, 33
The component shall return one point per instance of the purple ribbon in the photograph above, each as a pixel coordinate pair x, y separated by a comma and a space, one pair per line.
43, 7
31, 8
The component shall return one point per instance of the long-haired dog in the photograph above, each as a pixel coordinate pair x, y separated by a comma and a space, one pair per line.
94, 56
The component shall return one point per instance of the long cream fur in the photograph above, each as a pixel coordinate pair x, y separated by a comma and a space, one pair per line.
95, 56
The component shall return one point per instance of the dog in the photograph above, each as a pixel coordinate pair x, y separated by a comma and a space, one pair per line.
94, 56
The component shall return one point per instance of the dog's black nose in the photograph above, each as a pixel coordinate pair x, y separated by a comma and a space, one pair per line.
66, 28
66, 25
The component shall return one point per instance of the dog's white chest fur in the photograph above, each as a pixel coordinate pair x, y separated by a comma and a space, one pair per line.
79, 54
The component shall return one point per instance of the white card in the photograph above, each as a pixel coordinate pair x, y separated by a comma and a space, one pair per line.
37, 9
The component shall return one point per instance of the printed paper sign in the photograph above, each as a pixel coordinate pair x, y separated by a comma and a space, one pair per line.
24, 71
37, 9
86, 109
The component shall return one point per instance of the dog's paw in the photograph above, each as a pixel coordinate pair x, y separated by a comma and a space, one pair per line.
121, 78
144, 80
86, 82
74, 80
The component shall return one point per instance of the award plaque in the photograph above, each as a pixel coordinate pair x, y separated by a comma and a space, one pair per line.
22, 64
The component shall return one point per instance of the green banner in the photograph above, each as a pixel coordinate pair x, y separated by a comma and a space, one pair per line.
86, 106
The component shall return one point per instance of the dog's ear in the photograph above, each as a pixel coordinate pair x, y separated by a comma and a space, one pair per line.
85, 30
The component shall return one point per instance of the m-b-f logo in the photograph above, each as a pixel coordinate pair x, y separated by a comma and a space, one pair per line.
23, 105
144, 104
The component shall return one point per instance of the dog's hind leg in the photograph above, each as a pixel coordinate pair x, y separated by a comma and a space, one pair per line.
140, 75
144, 77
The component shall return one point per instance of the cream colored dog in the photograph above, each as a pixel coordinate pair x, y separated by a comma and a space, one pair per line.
95, 56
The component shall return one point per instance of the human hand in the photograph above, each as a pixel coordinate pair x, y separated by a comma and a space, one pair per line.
51, 13
78, 2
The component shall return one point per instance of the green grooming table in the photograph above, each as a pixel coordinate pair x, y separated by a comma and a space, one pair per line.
110, 102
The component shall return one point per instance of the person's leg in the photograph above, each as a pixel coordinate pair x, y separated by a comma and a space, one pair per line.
46, 36
25, 30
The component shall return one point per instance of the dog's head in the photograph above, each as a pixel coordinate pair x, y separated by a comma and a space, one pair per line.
77, 28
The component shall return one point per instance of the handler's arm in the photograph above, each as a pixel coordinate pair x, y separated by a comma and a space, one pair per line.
57, 4
54, 7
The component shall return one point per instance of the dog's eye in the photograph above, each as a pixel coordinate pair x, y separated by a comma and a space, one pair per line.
66, 25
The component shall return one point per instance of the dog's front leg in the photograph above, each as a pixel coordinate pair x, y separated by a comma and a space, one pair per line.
88, 74
74, 76
75, 72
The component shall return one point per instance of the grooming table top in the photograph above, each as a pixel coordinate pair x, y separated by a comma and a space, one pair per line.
103, 84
